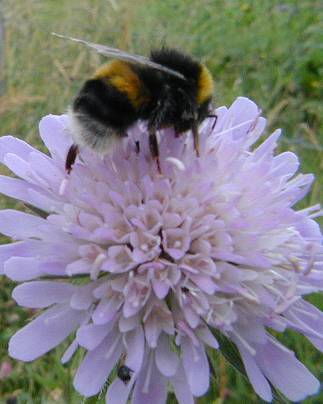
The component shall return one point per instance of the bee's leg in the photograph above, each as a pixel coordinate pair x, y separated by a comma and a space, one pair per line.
137, 143
195, 131
153, 145
215, 119
71, 157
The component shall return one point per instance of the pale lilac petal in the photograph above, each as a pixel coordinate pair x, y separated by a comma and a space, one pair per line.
196, 367
96, 367
70, 351
285, 372
307, 319
44, 333
128, 324
28, 268
83, 297
207, 337
91, 335
20, 225
41, 294
51, 129
135, 349
19, 189
118, 392
160, 288
242, 110
105, 311
150, 386
166, 359
181, 388
10, 144
255, 375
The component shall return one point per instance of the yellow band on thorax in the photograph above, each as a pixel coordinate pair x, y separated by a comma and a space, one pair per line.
122, 77
205, 85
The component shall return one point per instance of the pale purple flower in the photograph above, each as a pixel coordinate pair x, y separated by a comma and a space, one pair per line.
142, 267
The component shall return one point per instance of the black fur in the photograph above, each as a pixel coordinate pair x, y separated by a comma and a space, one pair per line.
171, 101
105, 104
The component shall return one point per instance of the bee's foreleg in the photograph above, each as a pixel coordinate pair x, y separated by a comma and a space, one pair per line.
196, 141
153, 145
71, 157
137, 144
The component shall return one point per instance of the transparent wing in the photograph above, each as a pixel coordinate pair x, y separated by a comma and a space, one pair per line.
119, 54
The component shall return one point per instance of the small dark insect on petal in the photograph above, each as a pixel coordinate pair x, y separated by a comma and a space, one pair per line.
124, 373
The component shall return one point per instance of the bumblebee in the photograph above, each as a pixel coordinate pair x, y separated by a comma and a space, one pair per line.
169, 89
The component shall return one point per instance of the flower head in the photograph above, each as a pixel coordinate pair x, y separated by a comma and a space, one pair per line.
141, 266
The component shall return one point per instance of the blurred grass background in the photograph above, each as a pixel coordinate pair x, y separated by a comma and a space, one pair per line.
270, 51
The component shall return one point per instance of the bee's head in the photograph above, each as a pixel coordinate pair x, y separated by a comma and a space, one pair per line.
200, 108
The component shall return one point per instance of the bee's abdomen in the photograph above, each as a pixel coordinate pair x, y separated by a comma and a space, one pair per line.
103, 102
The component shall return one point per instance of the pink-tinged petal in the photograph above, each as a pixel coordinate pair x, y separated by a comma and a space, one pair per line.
166, 359
20, 225
91, 335
135, 342
44, 333
96, 366
207, 337
150, 386
285, 372
161, 289
181, 388
255, 375
118, 392
52, 130
41, 294
28, 268
196, 367
70, 351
